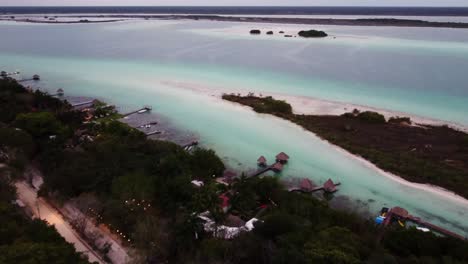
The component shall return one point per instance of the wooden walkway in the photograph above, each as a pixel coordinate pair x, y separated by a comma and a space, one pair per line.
82, 103
146, 109
390, 216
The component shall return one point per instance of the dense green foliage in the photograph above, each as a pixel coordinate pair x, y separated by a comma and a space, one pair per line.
371, 117
142, 188
263, 105
312, 34
29, 241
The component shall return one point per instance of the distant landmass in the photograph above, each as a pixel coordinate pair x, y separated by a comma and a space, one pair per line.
244, 10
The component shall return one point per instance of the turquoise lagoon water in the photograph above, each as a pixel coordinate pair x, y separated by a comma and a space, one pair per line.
137, 63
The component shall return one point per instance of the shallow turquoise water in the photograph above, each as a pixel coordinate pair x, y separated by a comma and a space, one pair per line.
137, 63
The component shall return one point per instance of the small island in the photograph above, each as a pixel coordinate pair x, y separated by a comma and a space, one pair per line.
255, 31
312, 34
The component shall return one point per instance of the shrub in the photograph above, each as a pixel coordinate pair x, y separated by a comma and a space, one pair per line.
312, 34
371, 117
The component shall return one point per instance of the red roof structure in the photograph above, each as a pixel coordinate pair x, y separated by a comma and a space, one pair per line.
277, 167
329, 186
262, 160
282, 157
400, 212
306, 185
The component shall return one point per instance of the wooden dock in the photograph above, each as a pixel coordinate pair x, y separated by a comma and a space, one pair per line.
146, 109
400, 214
83, 103
329, 187
25, 80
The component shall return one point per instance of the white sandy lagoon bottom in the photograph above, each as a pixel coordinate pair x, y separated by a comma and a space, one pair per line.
240, 136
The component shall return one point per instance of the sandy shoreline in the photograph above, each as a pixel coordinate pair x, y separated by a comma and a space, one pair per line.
307, 105
313, 106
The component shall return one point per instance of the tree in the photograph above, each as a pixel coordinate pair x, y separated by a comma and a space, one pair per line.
40, 125
205, 164
133, 186
333, 245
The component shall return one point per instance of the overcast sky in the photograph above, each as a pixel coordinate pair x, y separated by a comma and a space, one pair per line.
237, 2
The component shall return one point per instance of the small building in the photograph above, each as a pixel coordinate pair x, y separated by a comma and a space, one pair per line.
277, 167
36, 77
262, 162
306, 185
399, 212
329, 186
282, 158
60, 92
3, 74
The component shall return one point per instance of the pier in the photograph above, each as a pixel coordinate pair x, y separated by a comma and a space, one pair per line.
400, 214
83, 103
157, 132
140, 111
306, 186
34, 78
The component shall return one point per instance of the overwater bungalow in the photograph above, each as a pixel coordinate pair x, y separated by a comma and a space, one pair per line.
306, 185
262, 162
3, 74
60, 92
282, 158
36, 77
277, 167
329, 186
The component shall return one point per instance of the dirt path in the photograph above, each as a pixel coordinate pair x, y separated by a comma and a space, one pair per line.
44, 211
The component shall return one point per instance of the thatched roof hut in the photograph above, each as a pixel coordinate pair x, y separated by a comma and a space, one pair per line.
262, 161
329, 186
277, 167
282, 157
400, 212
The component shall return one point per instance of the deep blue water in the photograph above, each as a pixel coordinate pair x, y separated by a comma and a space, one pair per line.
264, 10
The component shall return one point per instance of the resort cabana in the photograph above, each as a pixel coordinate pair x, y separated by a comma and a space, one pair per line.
400, 212
329, 186
36, 77
306, 185
60, 92
277, 167
262, 162
282, 158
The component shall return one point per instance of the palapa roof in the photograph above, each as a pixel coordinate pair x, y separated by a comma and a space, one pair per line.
400, 212
306, 184
262, 159
282, 156
277, 166
329, 186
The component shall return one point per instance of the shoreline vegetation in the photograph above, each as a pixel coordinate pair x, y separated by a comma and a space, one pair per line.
143, 191
425, 154
303, 33
385, 22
